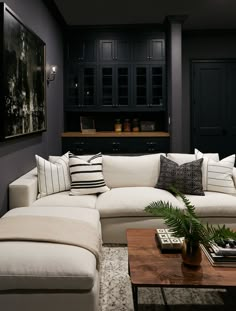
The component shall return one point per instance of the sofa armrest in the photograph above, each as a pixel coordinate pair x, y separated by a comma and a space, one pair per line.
24, 190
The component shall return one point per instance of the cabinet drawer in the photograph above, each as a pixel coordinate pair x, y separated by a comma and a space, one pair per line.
115, 145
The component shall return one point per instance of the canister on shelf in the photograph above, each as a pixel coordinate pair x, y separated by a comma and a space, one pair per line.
127, 125
135, 125
118, 125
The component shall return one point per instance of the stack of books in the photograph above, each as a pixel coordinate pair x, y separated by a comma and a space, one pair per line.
220, 256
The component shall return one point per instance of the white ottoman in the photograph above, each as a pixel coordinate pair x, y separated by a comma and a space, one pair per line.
48, 276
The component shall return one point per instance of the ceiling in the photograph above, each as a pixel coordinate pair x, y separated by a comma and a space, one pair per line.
202, 14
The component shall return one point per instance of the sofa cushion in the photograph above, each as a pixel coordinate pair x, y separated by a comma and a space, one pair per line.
234, 176
206, 157
214, 204
187, 178
212, 156
64, 199
131, 201
86, 176
181, 158
218, 175
53, 177
30, 265
131, 171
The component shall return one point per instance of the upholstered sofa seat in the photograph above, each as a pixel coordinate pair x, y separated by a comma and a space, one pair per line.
49, 273
65, 199
130, 201
214, 205
39, 265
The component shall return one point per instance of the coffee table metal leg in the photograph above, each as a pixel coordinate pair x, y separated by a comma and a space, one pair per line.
164, 298
135, 297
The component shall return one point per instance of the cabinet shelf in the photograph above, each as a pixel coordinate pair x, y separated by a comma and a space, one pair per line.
116, 134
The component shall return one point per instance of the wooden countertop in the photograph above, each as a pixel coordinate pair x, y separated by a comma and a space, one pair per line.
116, 134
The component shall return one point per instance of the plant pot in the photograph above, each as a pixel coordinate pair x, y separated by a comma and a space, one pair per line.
191, 253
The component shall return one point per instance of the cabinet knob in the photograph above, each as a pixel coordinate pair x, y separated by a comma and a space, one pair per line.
151, 143
79, 150
115, 149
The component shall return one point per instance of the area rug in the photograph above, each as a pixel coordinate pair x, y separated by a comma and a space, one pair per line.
116, 295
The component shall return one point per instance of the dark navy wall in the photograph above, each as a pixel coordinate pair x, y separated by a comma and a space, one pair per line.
17, 156
208, 45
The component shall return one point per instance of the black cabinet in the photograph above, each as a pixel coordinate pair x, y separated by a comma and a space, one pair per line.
148, 49
115, 86
114, 50
149, 86
114, 145
120, 72
82, 50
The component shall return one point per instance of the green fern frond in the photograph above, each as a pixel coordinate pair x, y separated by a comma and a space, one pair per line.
173, 216
185, 222
220, 232
187, 203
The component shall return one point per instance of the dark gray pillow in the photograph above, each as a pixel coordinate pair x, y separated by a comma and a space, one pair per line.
187, 178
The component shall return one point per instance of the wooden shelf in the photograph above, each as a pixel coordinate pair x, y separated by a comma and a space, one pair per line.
116, 134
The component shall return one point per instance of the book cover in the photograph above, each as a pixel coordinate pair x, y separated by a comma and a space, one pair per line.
217, 260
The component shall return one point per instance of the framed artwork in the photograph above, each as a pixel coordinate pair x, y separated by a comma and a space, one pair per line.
87, 125
22, 78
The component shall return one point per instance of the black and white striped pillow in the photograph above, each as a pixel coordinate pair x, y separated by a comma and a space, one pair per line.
86, 176
53, 177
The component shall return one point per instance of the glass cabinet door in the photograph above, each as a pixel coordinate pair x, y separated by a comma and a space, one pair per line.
123, 86
156, 85
141, 82
107, 89
74, 85
89, 86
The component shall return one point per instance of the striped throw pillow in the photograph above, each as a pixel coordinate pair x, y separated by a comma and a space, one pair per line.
86, 176
53, 177
206, 157
219, 175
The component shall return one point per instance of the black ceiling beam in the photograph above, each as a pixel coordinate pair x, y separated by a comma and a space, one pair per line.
53, 9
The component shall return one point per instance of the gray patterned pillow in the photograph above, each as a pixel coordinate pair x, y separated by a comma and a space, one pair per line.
187, 178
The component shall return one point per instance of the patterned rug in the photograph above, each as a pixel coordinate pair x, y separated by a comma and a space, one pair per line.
116, 295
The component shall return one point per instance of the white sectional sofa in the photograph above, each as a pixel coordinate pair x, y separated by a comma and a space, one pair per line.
132, 181
48, 276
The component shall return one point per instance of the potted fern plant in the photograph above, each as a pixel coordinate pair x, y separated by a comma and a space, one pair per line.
185, 223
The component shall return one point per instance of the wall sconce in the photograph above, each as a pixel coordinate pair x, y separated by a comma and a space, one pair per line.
51, 74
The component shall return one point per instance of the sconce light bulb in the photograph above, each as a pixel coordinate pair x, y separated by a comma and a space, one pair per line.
51, 74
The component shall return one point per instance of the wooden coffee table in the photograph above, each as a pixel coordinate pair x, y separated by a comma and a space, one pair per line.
148, 267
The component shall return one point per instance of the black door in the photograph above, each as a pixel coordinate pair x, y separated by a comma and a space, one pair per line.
214, 107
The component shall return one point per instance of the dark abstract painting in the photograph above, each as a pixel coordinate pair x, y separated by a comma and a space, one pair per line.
23, 108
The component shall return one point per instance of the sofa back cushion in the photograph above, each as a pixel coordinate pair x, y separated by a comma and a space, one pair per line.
131, 171
181, 158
